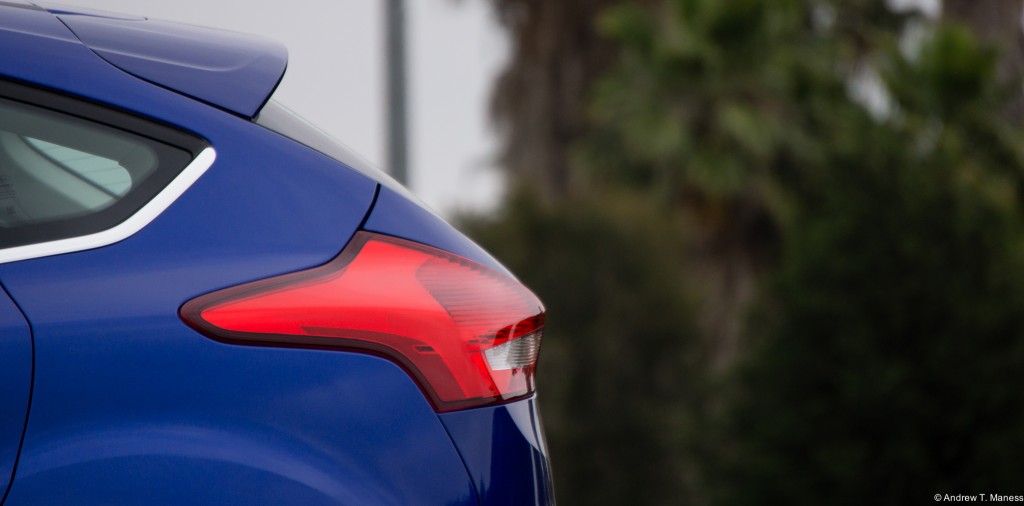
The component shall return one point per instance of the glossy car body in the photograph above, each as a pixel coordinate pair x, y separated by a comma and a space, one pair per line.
110, 397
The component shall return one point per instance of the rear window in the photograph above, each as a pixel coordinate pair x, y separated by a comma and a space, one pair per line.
63, 175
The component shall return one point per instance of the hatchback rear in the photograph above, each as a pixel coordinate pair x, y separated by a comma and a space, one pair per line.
206, 300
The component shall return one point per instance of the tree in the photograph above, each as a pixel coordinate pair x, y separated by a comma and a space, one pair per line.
761, 289
540, 100
879, 360
998, 23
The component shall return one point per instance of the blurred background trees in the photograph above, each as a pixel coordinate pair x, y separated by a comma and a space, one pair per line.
781, 244
998, 24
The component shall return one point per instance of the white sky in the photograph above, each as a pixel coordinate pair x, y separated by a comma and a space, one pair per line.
335, 78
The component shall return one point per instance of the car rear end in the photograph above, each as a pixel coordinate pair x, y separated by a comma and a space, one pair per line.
285, 325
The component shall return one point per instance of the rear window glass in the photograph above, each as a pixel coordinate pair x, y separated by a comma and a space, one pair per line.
64, 176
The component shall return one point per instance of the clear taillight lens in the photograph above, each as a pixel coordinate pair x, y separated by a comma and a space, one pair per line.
467, 334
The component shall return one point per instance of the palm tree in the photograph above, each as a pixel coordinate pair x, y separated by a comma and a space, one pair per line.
540, 100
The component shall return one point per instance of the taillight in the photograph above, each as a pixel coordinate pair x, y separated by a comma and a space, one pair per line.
467, 334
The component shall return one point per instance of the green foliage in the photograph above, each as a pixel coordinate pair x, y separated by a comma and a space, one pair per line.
890, 336
876, 380
880, 358
889, 341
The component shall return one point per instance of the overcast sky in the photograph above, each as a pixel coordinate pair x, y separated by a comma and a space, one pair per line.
335, 78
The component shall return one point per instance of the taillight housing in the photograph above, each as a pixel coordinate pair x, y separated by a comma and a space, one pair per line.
467, 334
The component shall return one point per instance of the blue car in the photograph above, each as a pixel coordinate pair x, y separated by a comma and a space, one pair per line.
207, 301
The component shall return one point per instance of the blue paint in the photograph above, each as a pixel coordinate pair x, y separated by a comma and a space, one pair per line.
131, 406
504, 450
15, 383
237, 72
398, 216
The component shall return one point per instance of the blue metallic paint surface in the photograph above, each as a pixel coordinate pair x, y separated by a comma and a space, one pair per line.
50, 55
395, 215
228, 425
15, 383
504, 450
231, 70
125, 389
131, 406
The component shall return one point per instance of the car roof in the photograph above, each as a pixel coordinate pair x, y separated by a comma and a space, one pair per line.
233, 71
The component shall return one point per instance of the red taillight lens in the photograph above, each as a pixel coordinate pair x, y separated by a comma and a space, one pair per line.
469, 335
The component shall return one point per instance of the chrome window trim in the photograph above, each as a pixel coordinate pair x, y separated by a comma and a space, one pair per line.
127, 228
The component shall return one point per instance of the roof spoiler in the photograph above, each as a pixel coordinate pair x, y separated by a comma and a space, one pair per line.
233, 71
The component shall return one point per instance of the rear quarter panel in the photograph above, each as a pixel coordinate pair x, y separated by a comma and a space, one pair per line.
132, 406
